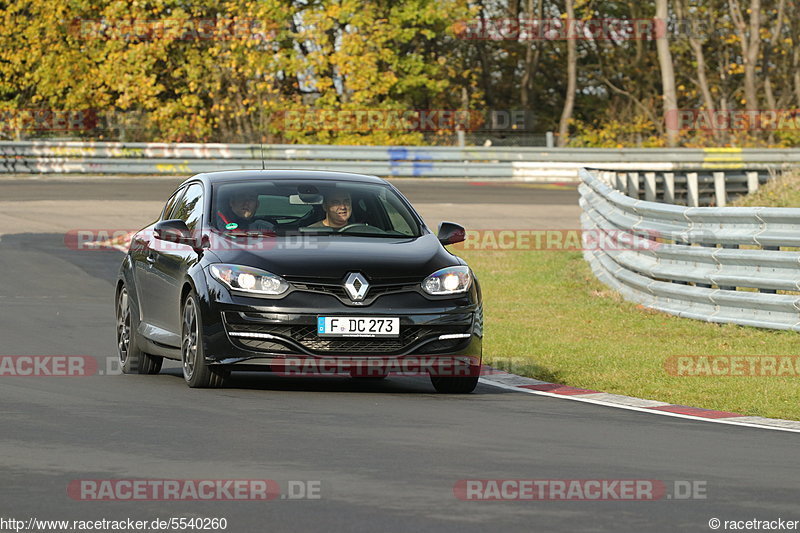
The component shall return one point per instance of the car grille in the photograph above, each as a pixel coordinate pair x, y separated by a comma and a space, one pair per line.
337, 289
307, 337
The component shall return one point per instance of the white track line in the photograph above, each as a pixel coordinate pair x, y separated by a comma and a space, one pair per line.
729, 421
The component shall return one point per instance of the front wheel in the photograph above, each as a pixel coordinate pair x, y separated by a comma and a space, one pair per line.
196, 372
132, 359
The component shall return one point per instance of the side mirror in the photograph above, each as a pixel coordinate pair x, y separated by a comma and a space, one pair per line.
451, 233
174, 230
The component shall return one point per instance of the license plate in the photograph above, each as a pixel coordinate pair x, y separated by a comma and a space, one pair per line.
351, 326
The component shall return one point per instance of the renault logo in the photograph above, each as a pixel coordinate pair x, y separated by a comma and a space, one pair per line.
356, 286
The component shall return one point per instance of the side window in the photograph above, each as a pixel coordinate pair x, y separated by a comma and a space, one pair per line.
190, 208
169, 207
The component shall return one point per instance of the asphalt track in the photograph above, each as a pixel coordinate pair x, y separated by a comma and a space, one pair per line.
387, 455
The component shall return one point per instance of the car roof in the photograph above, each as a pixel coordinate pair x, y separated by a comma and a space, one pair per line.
244, 175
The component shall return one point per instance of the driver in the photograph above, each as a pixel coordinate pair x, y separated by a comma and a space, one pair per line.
338, 207
242, 207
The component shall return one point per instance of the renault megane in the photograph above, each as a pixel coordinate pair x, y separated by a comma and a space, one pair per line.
285, 269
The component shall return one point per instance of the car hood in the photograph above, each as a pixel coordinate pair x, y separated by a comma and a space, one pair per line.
333, 257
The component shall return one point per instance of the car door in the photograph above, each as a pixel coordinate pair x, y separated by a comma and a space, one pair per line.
143, 253
172, 261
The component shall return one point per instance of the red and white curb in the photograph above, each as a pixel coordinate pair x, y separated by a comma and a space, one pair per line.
505, 380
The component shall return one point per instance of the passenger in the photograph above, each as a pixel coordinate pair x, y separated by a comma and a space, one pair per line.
242, 208
338, 208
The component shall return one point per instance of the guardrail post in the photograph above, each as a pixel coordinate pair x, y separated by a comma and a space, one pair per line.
692, 190
719, 189
729, 287
633, 184
669, 187
705, 285
752, 182
622, 181
769, 291
650, 186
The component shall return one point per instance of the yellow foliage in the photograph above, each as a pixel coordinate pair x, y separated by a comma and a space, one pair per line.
222, 82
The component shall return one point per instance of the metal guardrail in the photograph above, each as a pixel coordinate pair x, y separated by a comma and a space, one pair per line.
717, 264
528, 164
692, 188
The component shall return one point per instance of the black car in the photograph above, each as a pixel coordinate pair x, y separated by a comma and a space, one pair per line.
298, 272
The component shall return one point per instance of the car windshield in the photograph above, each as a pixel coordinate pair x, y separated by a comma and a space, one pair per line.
281, 207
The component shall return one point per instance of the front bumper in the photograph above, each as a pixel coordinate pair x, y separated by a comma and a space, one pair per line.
251, 333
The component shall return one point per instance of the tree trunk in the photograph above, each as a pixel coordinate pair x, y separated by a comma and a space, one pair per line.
702, 81
697, 48
796, 75
572, 75
768, 53
749, 41
531, 58
667, 78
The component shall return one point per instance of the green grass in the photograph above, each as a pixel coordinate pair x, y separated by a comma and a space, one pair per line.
547, 317
783, 191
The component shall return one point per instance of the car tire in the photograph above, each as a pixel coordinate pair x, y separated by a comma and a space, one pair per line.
132, 359
453, 385
196, 372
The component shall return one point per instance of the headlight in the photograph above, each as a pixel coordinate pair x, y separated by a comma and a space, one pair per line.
450, 280
249, 279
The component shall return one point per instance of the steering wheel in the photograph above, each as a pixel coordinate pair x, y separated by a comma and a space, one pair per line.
348, 227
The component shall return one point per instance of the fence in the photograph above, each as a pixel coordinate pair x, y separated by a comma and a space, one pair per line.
528, 164
691, 188
718, 264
